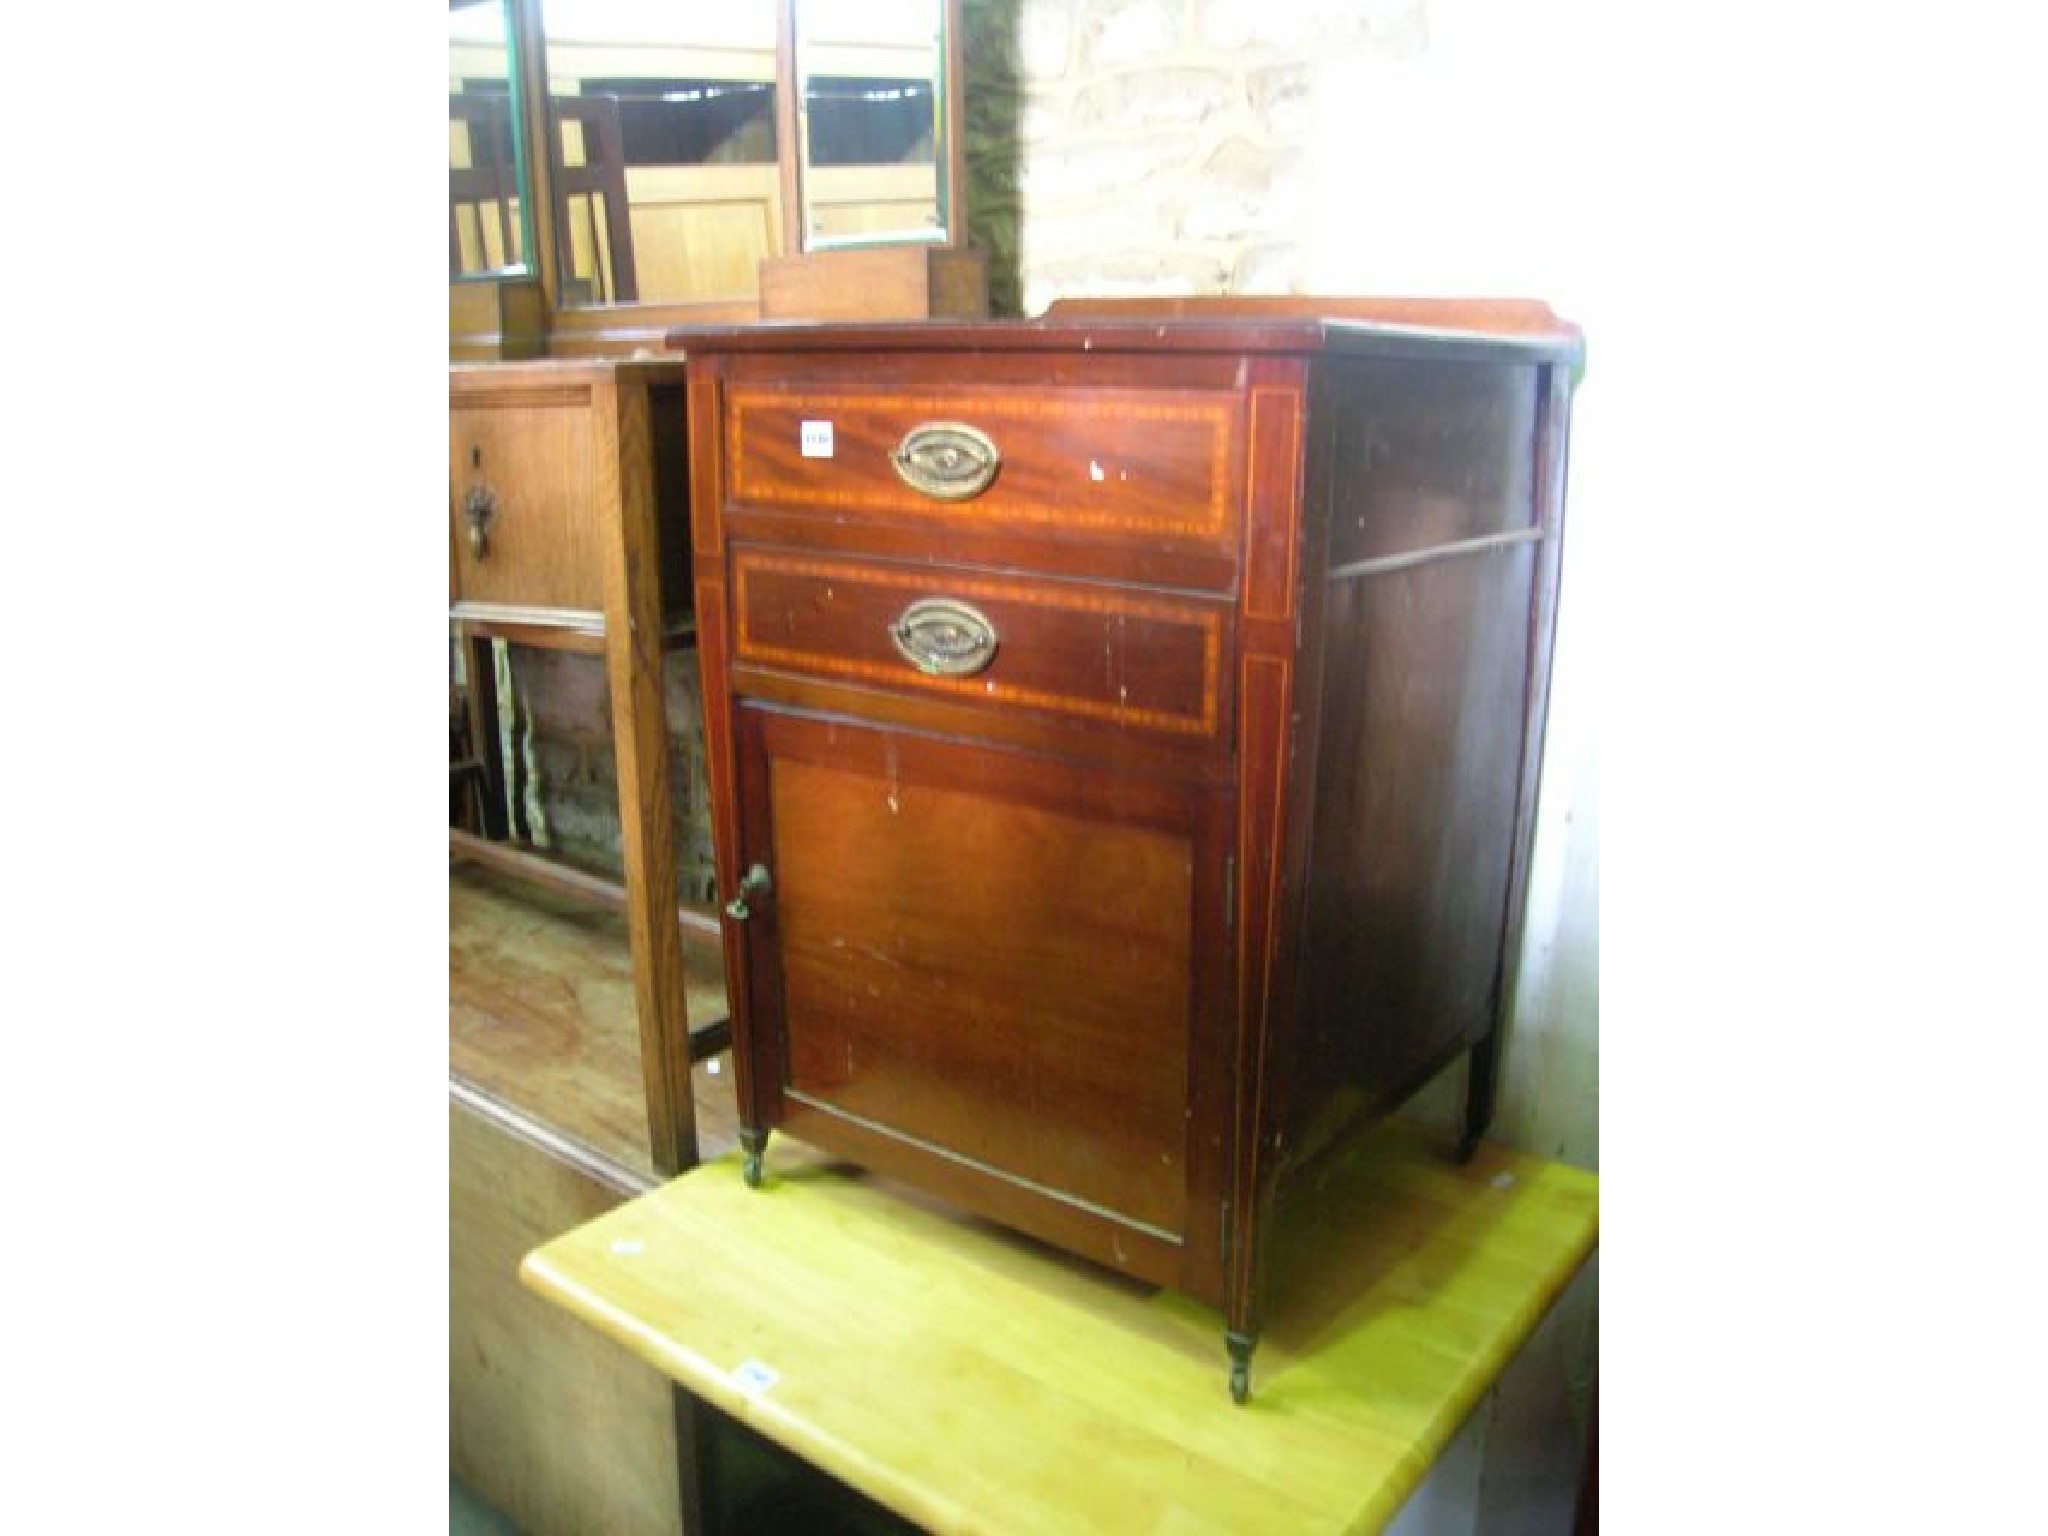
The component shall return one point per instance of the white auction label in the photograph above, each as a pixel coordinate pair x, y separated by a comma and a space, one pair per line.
817, 439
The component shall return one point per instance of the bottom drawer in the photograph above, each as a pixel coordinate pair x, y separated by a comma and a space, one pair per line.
1078, 650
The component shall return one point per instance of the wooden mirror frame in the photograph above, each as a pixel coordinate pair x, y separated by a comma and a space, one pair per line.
523, 316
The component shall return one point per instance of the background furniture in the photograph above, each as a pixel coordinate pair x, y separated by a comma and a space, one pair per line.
574, 1015
484, 232
592, 212
752, 180
560, 476
970, 1380
1123, 735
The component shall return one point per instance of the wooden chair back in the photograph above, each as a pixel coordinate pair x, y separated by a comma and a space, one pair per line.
591, 209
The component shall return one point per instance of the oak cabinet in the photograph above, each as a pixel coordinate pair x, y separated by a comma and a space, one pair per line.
567, 527
1123, 739
579, 996
548, 463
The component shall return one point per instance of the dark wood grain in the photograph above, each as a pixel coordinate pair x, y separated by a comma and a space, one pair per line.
1553, 431
1117, 464
1074, 341
1504, 316
1113, 656
987, 955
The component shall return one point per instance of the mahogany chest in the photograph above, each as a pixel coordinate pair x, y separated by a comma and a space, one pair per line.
1123, 737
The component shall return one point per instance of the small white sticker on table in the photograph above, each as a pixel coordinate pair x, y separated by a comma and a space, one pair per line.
754, 1378
817, 439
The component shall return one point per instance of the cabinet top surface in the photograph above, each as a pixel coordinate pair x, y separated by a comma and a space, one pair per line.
950, 1370
1503, 330
476, 377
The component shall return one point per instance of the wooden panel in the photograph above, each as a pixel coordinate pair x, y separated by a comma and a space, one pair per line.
500, 318
552, 1423
631, 568
899, 200
1416, 783
959, 280
1506, 317
1433, 456
1272, 535
531, 447
699, 232
899, 282
1107, 655
988, 956
1091, 463
1422, 616
626, 331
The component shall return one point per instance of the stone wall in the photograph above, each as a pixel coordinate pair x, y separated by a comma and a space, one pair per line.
1154, 147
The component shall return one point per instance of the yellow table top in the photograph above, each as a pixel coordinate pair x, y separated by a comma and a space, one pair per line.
973, 1380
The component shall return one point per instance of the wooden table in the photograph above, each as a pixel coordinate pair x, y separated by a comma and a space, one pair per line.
973, 1380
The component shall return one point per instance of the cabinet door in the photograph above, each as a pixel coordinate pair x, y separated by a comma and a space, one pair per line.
985, 963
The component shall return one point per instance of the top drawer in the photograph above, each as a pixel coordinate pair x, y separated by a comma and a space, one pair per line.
1084, 473
520, 463
543, 457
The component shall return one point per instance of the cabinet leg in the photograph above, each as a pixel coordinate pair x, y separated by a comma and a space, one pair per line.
753, 1144
1482, 1074
1240, 1346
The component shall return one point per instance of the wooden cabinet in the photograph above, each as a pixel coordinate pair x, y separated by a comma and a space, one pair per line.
567, 507
551, 467
1123, 740
572, 1035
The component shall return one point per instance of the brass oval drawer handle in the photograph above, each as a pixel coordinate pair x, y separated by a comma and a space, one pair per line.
946, 460
942, 637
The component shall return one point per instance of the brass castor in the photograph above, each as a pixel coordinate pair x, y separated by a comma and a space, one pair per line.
752, 1145
1240, 1346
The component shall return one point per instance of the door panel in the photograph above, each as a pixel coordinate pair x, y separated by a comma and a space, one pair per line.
984, 952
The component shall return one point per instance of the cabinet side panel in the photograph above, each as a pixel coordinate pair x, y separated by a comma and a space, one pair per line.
1424, 633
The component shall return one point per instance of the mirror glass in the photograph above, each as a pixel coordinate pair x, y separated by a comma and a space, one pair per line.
873, 121
662, 137
486, 215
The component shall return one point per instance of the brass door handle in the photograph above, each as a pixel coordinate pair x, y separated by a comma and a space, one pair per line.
755, 882
944, 637
479, 510
946, 460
